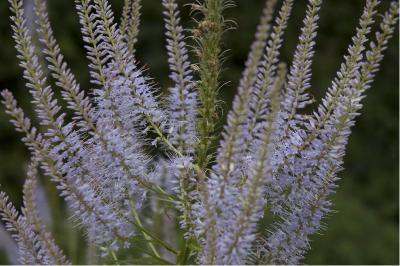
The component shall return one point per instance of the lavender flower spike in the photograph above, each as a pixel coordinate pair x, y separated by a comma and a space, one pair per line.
151, 174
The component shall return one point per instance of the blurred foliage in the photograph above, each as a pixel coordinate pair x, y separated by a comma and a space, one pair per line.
364, 230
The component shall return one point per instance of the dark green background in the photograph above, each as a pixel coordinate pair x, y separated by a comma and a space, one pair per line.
364, 230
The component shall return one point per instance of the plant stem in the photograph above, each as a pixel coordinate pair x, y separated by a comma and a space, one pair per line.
146, 236
149, 236
115, 258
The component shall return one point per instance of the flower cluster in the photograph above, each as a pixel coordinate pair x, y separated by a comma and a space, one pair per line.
129, 153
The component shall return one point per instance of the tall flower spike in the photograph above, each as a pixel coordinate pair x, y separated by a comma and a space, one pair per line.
256, 53
266, 73
224, 182
337, 129
183, 178
120, 79
125, 17
97, 54
257, 47
239, 236
130, 22
122, 67
104, 42
71, 92
91, 37
315, 178
68, 141
206, 221
21, 232
98, 58
296, 96
47, 107
114, 117
103, 224
65, 143
104, 164
108, 30
208, 36
302, 138
62, 137
259, 95
48, 247
346, 74
182, 112
182, 104
327, 151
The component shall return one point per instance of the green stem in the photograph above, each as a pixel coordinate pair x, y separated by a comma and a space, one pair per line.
149, 236
163, 138
156, 239
146, 236
115, 258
